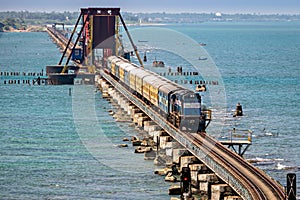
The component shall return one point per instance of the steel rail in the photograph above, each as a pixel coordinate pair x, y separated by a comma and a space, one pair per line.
262, 185
277, 191
244, 178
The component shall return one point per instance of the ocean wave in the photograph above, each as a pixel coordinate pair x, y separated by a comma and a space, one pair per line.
280, 166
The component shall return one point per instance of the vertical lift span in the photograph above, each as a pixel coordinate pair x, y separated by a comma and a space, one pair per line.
99, 30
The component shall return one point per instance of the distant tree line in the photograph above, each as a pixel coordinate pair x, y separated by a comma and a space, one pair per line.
204, 17
15, 23
22, 19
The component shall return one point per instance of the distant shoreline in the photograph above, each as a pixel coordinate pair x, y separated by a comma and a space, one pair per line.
24, 21
30, 28
146, 24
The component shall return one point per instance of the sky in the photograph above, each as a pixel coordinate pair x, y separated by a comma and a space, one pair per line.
168, 6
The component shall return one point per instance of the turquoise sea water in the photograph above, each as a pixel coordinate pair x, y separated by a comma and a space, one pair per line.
44, 155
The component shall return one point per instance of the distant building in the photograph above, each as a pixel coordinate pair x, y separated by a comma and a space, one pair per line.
218, 14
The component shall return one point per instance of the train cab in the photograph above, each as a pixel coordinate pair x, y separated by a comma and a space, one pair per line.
77, 55
185, 109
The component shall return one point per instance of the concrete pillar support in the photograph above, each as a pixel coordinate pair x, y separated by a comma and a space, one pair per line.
195, 170
130, 109
153, 128
147, 125
165, 142
186, 160
137, 116
177, 153
205, 182
233, 198
134, 111
219, 191
156, 135
142, 119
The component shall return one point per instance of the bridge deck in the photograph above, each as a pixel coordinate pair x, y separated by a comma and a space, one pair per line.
244, 178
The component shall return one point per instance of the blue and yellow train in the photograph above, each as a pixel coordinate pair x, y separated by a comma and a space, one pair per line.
178, 105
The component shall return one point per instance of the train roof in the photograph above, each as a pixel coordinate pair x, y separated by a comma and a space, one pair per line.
124, 64
111, 58
159, 83
165, 85
150, 79
183, 92
127, 67
154, 81
168, 87
141, 73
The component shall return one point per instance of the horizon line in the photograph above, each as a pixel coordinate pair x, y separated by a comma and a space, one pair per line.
158, 12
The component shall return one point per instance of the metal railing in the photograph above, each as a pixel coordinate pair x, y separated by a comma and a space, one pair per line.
185, 141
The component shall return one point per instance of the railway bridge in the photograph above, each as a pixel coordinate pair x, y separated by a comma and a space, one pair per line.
99, 24
248, 181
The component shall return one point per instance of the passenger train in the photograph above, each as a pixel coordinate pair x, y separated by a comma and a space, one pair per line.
178, 105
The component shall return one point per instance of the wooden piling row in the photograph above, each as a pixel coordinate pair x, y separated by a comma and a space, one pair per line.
22, 73
25, 82
197, 82
179, 73
185, 80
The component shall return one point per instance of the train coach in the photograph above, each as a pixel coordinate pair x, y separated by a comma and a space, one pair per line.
178, 105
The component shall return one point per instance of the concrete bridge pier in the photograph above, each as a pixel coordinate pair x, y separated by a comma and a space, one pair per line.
130, 108
185, 161
165, 142
205, 182
120, 100
153, 128
196, 170
138, 115
156, 135
117, 100
104, 89
117, 97
177, 153
134, 111
141, 121
166, 147
124, 103
147, 125
112, 93
219, 191
233, 198
164, 152
114, 98
102, 82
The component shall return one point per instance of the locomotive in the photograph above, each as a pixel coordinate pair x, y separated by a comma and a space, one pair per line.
179, 106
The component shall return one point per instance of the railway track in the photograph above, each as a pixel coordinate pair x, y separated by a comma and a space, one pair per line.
60, 37
257, 184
